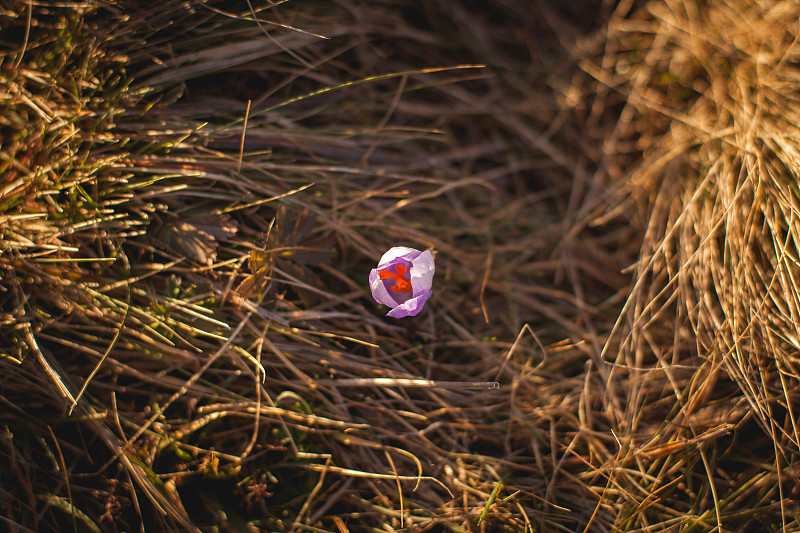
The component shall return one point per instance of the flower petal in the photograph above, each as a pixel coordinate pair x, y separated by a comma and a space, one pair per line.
411, 307
403, 252
422, 271
379, 291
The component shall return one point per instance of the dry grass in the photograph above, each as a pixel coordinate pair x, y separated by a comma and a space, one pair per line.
709, 329
611, 195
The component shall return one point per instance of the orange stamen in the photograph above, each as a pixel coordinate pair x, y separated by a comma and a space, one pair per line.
403, 283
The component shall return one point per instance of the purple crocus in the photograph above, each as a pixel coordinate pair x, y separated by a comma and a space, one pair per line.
403, 280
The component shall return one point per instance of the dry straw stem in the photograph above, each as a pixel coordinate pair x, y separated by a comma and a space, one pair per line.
196, 289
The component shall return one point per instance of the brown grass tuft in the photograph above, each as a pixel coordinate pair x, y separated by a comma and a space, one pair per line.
708, 344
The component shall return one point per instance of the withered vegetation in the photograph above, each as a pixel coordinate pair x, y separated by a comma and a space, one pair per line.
193, 193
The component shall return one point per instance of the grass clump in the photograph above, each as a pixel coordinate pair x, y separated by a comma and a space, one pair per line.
708, 327
192, 197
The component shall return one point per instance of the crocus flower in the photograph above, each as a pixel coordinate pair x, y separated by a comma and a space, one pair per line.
403, 280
